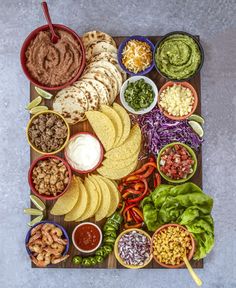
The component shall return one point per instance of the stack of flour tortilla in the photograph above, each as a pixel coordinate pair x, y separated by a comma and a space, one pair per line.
99, 84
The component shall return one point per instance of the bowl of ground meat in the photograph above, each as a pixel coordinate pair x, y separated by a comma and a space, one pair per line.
48, 132
52, 66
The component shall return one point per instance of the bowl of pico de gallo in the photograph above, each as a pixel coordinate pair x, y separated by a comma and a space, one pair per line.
177, 162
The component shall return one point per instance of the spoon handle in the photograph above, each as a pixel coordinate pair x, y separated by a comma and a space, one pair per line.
197, 280
49, 21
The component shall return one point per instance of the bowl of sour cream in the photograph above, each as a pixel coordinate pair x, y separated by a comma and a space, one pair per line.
84, 152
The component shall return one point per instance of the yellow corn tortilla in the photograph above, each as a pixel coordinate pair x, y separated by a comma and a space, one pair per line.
103, 128
80, 205
125, 121
116, 121
67, 201
98, 190
116, 174
93, 200
115, 196
129, 147
119, 164
106, 199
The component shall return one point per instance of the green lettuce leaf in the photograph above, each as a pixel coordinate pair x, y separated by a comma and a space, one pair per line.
185, 204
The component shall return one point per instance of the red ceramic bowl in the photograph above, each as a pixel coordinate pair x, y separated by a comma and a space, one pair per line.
26, 43
186, 85
31, 184
190, 255
100, 159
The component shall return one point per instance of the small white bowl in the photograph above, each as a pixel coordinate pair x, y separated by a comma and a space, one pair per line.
134, 79
73, 236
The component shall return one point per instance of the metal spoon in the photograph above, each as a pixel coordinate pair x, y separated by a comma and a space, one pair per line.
197, 280
54, 36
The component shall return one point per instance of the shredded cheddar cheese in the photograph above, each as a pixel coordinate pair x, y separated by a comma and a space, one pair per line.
137, 56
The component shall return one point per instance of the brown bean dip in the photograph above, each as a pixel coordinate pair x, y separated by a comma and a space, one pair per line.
53, 64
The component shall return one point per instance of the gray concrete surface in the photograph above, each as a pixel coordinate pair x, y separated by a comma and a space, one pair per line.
215, 22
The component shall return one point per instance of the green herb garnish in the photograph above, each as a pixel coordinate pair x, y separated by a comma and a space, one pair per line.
139, 95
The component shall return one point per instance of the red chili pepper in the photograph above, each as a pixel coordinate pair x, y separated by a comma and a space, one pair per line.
129, 226
144, 168
138, 199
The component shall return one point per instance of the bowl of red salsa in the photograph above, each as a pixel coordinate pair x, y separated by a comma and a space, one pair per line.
87, 237
177, 162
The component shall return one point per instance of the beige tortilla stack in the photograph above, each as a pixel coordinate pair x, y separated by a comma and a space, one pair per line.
101, 75
112, 58
71, 103
110, 67
103, 95
98, 47
97, 36
90, 93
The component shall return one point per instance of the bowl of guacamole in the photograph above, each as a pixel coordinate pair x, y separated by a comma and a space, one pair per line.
178, 56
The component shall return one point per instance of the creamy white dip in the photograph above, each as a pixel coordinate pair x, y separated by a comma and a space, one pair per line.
83, 152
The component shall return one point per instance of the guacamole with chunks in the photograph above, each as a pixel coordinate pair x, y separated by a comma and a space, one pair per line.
178, 56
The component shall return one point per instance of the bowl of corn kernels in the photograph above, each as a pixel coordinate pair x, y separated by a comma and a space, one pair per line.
170, 243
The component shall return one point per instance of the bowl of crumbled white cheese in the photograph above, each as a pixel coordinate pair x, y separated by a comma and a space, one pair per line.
177, 101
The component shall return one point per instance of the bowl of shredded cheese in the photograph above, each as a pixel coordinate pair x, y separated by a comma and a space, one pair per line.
135, 55
177, 100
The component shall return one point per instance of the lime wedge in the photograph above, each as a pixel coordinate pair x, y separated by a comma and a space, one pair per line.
38, 202
34, 103
38, 109
43, 93
196, 127
197, 118
35, 220
32, 211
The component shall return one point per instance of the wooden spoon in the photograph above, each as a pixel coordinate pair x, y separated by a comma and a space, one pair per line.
197, 280
54, 36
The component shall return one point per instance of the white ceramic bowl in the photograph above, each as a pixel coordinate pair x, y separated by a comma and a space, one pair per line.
134, 79
73, 236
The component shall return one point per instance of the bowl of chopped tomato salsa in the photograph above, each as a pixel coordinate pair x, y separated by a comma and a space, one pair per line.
177, 162
87, 237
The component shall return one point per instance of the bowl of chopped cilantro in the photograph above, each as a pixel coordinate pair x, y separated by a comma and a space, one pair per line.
139, 94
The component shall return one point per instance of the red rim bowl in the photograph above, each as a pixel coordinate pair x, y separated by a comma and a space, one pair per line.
100, 159
31, 184
26, 43
186, 85
190, 255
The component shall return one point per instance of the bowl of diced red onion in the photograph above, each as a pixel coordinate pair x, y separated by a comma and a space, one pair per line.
133, 249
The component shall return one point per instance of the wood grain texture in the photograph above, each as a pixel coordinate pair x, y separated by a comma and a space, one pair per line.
110, 261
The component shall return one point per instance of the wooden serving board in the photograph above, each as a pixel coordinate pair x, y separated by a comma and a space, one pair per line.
110, 261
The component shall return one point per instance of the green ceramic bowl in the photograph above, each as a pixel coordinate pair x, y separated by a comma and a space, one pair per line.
191, 152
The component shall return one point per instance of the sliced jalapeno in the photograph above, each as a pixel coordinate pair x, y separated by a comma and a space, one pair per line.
77, 260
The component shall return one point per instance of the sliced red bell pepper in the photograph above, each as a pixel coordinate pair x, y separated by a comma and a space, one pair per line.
138, 199
138, 212
129, 226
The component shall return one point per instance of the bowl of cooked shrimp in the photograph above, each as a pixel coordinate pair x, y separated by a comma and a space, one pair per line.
47, 243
